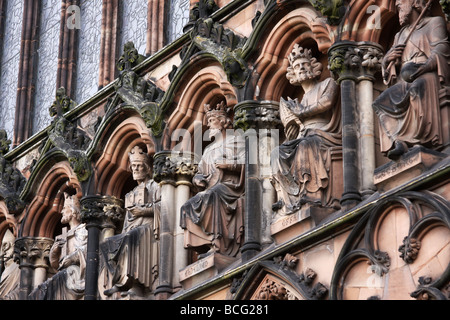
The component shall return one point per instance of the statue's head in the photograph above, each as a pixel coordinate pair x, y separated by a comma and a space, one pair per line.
71, 209
7, 249
139, 164
302, 66
217, 119
405, 9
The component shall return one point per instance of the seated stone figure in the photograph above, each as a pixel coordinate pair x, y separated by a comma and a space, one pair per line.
10, 272
211, 219
415, 68
301, 165
130, 260
67, 257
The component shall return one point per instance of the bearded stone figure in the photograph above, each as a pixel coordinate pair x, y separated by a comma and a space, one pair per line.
415, 68
301, 165
10, 272
67, 257
130, 259
212, 219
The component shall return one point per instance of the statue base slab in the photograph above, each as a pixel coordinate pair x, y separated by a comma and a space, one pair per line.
413, 163
204, 269
289, 226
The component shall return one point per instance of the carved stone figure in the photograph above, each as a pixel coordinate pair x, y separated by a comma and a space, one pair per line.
67, 257
10, 272
130, 259
212, 219
415, 67
301, 165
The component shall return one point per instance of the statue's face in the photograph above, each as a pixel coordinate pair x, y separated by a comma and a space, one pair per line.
404, 8
302, 70
215, 126
67, 212
139, 170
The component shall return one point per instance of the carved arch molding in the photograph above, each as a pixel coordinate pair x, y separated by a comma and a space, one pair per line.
399, 250
278, 280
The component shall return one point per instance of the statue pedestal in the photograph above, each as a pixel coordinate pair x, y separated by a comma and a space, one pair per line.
413, 163
290, 226
204, 269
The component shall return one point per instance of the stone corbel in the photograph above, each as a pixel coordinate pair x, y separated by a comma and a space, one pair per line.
137, 92
12, 181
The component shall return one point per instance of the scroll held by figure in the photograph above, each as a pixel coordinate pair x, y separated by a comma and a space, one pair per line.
415, 69
213, 218
67, 257
301, 165
129, 260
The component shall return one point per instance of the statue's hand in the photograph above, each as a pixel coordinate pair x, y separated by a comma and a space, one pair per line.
139, 211
69, 260
199, 181
395, 53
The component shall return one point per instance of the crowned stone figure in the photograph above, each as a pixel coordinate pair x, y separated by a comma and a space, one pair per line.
212, 219
130, 259
301, 165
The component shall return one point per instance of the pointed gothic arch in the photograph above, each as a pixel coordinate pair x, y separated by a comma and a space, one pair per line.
203, 82
303, 26
43, 213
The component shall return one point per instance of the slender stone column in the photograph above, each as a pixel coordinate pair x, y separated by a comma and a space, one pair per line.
372, 54
255, 117
174, 172
355, 65
32, 255
345, 62
98, 213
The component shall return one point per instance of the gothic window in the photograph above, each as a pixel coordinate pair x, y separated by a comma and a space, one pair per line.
178, 18
134, 24
47, 62
10, 64
88, 50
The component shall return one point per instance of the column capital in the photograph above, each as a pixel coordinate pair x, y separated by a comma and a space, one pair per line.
175, 167
252, 114
349, 60
33, 252
101, 211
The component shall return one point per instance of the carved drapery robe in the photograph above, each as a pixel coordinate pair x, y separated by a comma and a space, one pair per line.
212, 216
9, 282
300, 167
409, 111
133, 254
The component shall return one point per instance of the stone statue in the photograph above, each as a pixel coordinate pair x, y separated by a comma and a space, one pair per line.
415, 68
130, 259
67, 257
10, 272
212, 219
300, 166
